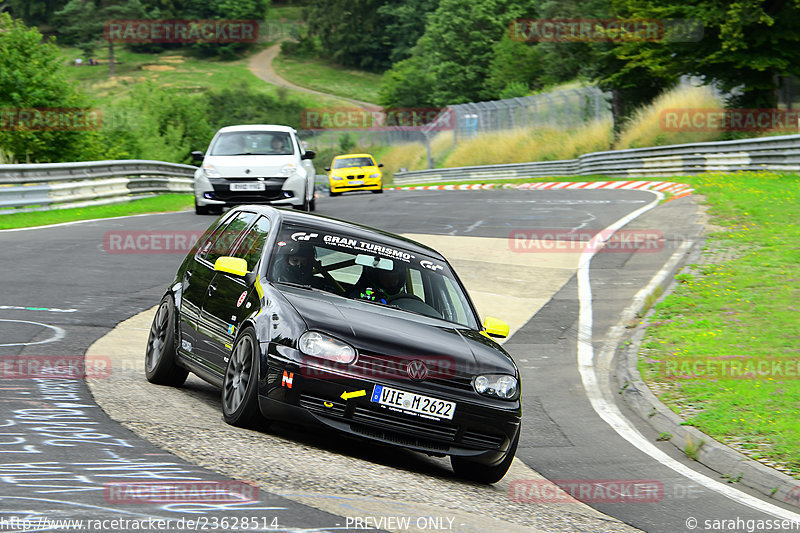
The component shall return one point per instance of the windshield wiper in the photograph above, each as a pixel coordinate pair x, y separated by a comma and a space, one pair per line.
298, 285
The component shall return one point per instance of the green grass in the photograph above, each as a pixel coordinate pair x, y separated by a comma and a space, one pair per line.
173, 69
156, 204
323, 76
745, 309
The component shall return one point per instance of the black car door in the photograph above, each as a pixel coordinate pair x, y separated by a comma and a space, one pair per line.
231, 298
197, 281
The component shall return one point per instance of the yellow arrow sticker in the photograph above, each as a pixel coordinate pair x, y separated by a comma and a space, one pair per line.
354, 394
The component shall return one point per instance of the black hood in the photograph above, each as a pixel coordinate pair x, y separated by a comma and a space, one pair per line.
375, 329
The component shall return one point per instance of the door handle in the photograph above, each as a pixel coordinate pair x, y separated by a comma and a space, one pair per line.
188, 274
211, 288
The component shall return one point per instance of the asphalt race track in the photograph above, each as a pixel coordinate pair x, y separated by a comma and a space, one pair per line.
61, 455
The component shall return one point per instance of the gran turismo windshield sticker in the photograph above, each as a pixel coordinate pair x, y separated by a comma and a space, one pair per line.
303, 236
365, 246
430, 265
282, 243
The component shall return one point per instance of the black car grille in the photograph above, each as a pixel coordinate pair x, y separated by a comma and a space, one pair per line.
373, 366
400, 429
404, 424
356, 177
399, 438
329, 407
481, 440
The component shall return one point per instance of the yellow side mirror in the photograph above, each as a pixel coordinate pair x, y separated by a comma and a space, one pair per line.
495, 328
231, 265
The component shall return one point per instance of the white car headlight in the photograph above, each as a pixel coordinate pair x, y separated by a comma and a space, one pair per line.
337, 178
210, 171
318, 345
376, 175
497, 385
288, 169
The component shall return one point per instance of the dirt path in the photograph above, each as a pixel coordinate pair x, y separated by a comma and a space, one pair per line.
261, 65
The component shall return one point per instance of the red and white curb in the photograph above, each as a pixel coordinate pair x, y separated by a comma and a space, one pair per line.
678, 190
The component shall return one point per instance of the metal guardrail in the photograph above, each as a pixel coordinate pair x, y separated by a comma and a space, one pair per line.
765, 153
60, 185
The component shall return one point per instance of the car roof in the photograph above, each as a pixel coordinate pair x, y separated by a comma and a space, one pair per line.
334, 224
352, 155
257, 127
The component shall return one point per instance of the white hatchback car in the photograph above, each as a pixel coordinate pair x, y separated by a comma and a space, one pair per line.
254, 164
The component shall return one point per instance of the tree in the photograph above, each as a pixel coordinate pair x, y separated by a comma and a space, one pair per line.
32, 12
745, 46
351, 32
32, 79
81, 23
455, 51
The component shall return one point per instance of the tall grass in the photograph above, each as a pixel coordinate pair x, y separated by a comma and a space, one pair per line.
541, 144
411, 156
645, 127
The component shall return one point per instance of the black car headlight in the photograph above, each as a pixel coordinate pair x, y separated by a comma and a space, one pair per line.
323, 346
498, 385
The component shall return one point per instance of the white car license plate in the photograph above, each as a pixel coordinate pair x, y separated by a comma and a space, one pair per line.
412, 403
356, 182
248, 187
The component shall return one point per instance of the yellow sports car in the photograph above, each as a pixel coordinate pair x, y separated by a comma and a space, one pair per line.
354, 172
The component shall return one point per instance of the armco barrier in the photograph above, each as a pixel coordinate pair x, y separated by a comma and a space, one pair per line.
766, 153
58, 185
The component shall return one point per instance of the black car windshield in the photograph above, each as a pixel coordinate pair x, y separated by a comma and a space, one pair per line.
361, 268
253, 143
350, 162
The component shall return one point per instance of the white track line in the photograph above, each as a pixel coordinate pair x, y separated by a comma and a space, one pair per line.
608, 410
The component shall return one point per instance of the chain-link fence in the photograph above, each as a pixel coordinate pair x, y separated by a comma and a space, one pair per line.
563, 109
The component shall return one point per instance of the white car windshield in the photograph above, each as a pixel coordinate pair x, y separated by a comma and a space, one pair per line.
253, 143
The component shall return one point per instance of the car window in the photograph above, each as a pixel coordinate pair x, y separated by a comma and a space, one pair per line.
364, 269
224, 238
252, 244
349, 162
253, 143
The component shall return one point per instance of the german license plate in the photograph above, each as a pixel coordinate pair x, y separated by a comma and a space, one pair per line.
412, 403
248, 187
356, 182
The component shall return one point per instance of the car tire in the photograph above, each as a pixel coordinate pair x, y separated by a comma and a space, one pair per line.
474, 471
201, 209
379, 190
312, 205
240, 382
161, 352
334, 193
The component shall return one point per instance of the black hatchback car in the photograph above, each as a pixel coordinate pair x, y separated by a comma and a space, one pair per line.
309, 319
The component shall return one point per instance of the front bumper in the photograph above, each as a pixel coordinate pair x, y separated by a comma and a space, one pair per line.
278, 191
344, 185
478, 430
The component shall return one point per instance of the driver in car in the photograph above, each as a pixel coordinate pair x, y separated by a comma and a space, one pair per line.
294, 263
278, 145
381, 285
